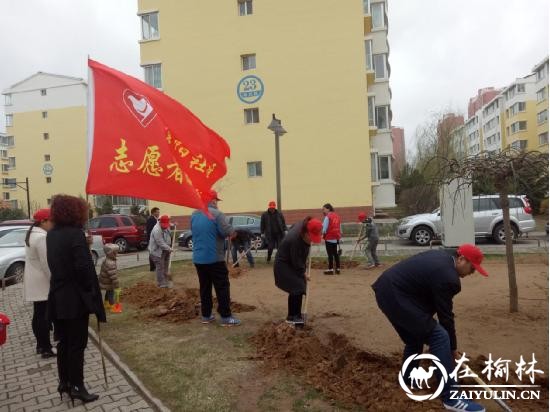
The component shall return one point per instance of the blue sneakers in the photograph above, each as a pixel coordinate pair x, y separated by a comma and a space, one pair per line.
208, 319
463, 405
230, 321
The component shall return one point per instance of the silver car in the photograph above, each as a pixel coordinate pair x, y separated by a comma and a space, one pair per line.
12, 254
488, 221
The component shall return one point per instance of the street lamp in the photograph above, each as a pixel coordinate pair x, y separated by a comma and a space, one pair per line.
26, 189
276, 127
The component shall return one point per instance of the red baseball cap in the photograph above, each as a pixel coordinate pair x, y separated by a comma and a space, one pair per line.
314, 229
362, 216
272, 204
474, 255
41, 215
210, 195
164, 221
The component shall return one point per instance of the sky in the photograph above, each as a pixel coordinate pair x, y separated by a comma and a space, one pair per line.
441, 51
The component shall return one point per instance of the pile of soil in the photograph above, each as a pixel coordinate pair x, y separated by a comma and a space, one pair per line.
173, 305
345, 263
338, 369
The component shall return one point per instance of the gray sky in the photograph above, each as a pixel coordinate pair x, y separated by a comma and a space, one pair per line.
441, 51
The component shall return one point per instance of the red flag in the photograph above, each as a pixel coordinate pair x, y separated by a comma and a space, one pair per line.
145, 144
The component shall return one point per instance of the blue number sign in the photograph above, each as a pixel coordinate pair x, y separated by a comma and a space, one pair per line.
250, 89
47, 169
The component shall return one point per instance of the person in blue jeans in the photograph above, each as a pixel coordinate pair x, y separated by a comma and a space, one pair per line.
209, 234
411, 292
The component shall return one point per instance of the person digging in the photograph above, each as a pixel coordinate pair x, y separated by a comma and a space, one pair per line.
290, 265
240, 244
369, 231
411, 292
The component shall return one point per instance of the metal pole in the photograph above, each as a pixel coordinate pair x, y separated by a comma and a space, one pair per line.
278, 172
28, 198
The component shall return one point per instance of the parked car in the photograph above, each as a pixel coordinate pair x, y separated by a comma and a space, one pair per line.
120, 230
12, 255
488, 222
250, 222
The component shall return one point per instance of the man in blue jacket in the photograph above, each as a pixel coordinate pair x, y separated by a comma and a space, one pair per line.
411, 292
209, 234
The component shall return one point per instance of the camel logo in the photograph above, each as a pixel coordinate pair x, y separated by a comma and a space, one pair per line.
418, 377
139, 106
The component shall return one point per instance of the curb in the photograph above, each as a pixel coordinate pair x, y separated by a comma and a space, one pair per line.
128, 374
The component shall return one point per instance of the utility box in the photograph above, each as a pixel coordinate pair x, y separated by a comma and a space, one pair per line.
457, 214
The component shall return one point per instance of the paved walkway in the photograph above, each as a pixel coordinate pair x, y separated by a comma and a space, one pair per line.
29, 383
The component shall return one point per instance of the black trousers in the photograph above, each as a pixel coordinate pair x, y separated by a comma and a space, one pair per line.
73, 338
273, 242
151, 264
294, 305
332, 252
217, 275
41, 326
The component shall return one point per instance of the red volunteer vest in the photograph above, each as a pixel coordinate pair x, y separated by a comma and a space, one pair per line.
333, 231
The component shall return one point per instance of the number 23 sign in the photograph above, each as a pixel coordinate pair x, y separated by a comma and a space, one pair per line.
250, 89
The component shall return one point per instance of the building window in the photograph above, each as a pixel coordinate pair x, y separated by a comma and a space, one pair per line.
382, 119
46, 136
372, 112
366, 6
368, 54
46, 158
521, 88
44, 115
519, 145
379, 66
9, 120
153, 75
5, 168
11, 163
254, 169
49, 201
7, 141
248, 61
517, 108
7, 100
543, 138
377, 12
48, 180
251, 116
541, 74
542, 116
384, 163
245, 7
518, 126
374, 167
6, 195
541, 95
43, 92
4, 154
150, 26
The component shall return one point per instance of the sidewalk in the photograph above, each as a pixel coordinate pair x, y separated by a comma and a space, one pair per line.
29, 383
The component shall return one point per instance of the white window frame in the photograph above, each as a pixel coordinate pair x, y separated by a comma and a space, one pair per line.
248, 61
543, 138
7, 100
374, 167
541, 74
150, 74
245, 7
253, 170
369, 62
372, 110
11, 163
9, 120
542, 116
382, 158
385, 62
145, 20
386, 109
374, 6
252, 115
520, 86
6, 195
541, 95
8, 141
366, 7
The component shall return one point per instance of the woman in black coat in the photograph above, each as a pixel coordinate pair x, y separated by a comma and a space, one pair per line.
290, 264
74, 292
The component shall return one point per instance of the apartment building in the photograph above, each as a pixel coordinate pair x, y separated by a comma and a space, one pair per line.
541, 88
321, 68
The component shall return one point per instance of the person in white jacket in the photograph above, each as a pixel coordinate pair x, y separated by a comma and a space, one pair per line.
36, 280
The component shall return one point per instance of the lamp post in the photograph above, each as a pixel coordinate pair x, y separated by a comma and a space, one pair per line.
276, 127
26, 189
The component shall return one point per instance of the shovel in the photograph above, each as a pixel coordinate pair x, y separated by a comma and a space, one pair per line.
480, 382
308, 291
243, 254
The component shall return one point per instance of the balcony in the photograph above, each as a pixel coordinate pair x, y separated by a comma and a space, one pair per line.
367, 23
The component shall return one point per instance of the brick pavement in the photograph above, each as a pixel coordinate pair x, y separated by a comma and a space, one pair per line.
29, 383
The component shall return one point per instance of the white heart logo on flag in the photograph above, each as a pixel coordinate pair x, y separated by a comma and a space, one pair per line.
139, 106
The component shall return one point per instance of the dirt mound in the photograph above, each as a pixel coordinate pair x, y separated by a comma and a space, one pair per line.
345, 263
339, 370
174, 305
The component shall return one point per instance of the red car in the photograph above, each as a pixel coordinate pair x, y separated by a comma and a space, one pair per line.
120, 230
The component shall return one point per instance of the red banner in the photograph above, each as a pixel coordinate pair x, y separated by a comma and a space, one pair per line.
148, 145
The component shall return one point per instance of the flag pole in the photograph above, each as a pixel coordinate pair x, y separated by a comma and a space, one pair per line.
173, 251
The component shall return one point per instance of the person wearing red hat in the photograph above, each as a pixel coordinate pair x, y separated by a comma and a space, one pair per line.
36, 280
411, 292
273, 228
160, 248
290, 264
152, 221
209, 234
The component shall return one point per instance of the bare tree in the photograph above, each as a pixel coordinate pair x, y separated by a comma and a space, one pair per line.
505, 171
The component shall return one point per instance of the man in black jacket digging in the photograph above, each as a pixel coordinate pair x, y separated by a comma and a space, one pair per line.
273, 227
411, 292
